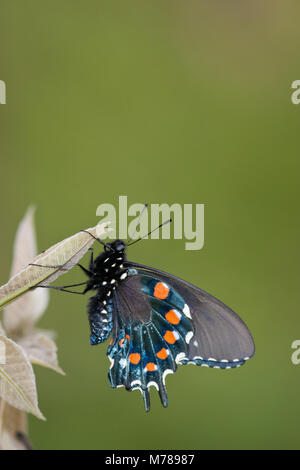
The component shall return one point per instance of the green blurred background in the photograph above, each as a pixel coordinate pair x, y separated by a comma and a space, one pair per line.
172, 101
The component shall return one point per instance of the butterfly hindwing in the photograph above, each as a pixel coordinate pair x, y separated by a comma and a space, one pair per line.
142, 353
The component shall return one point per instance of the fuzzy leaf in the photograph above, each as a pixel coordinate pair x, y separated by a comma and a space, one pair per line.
17, 380
41, 350
67, 253
26, 310
13, 426
10, 442
25, 247
2, 332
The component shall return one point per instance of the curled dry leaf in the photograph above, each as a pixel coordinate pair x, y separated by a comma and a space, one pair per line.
41, 350
66, 253
12, 442
26, 310
17, 380
25, 246
13, 428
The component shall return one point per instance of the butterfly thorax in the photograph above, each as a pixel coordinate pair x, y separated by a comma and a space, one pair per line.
108, 269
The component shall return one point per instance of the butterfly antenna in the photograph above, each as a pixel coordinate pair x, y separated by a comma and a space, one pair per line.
138, 223
157, 228
98, 240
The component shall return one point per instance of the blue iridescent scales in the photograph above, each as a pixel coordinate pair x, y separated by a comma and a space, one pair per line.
143, 353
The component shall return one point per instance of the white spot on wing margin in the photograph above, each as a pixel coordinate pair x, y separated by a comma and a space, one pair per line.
186, 311
189, 336
166, 372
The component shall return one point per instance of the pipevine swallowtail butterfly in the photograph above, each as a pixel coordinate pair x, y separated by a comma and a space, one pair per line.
156, 322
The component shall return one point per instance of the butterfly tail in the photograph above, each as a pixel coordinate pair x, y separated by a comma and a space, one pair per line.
142, 355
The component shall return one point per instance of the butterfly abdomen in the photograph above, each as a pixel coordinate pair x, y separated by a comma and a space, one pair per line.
100, 319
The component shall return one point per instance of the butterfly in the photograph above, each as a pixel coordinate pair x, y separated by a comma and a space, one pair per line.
157, 321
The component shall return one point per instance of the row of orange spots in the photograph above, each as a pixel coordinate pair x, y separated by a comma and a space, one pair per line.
135, 358
173, 317
161, 290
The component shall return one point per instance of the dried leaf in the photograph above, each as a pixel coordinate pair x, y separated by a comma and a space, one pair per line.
17, 380
13, 425
10, 442
25, 248
41, 350
66, 253
13, 420
26, 310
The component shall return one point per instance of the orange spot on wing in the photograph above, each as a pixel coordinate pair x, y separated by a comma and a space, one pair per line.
134, 358
170, 337
161, 291
162, 354
128, 337
111, 341
172, 317
150, 366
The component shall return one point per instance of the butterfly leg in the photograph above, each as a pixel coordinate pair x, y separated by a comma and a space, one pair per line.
86, 271
91, 263
64, 288
63, 266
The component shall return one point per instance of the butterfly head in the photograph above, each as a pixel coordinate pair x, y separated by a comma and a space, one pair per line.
117, 246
